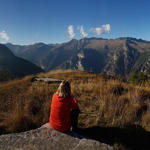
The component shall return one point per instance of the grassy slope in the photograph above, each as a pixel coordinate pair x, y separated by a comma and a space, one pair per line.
25, 105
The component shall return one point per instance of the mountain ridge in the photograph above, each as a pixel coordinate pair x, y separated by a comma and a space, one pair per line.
119, 56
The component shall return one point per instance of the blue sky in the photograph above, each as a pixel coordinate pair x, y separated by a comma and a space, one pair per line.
30, 21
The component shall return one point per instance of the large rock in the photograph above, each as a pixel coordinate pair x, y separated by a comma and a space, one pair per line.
46, 138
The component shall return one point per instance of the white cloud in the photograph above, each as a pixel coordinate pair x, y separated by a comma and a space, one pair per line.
82, 33
101, 30
3, 35
71, 31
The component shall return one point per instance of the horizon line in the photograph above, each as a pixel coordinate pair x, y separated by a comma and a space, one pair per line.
123, 37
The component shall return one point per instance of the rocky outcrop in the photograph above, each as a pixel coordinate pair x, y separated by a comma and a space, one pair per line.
46, 138
48, 80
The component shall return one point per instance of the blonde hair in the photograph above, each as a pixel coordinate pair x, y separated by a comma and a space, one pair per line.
64, 89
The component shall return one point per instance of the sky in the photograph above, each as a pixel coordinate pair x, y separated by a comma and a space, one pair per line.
56, 21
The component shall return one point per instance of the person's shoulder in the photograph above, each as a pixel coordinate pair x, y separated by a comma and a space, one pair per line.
55, 95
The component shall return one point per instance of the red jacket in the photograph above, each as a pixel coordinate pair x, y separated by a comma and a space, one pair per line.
60, 112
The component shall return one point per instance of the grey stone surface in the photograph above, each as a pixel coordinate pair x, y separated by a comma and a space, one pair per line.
46, 138
48, 80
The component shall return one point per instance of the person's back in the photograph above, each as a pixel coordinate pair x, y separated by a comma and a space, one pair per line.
61, 106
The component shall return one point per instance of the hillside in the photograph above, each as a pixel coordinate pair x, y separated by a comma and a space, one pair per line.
113, 112
113, 57
13, 66
35, 53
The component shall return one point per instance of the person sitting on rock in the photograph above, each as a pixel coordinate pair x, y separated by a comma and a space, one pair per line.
64, 109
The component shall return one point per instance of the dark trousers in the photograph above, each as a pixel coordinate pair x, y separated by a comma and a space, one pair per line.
74, 118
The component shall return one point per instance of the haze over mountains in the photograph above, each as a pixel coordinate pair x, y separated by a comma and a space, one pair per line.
113, 57
16, 66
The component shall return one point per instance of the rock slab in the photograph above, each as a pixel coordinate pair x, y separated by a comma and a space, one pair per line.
46, 138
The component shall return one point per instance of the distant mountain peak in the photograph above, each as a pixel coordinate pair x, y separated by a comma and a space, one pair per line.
73, 41
38, 43
133, 39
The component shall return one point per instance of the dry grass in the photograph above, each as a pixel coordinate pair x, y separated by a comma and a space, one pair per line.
25, 105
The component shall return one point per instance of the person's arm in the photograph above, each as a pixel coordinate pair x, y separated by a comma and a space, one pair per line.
74, 114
